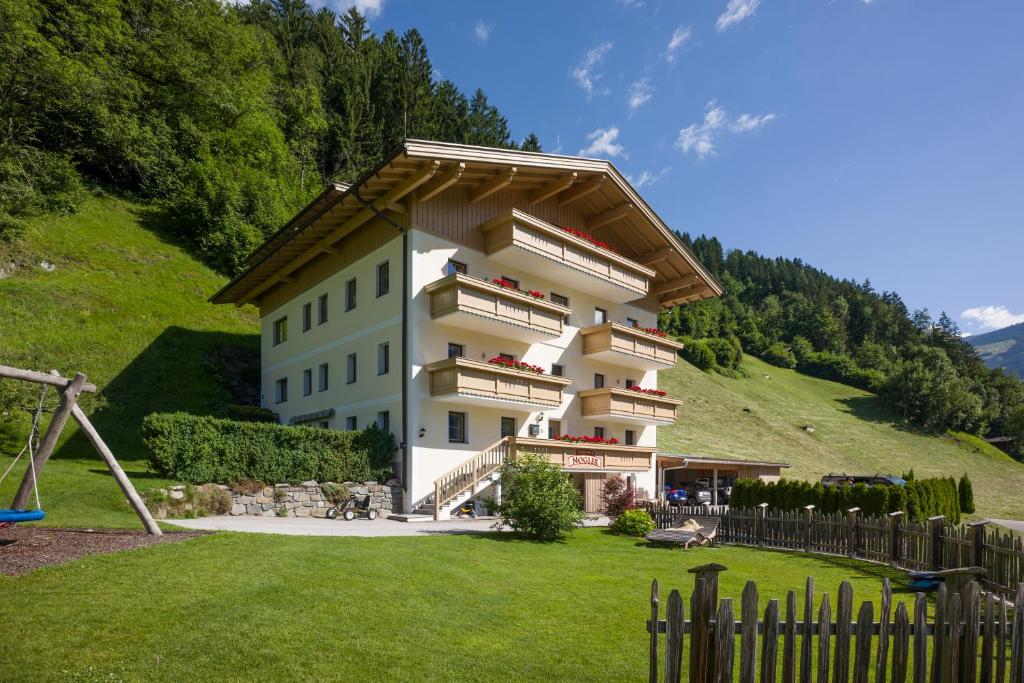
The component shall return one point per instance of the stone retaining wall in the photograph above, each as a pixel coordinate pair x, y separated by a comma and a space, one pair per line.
307, 499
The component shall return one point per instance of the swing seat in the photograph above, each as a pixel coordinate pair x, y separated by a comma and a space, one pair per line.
14, 516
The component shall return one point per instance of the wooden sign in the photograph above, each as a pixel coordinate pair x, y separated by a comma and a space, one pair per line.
584, 458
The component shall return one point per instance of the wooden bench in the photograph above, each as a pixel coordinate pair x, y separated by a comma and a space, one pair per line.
702, 536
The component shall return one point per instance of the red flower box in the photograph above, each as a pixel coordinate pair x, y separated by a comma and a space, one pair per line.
588, 439
590, 238
516, 365
650, 330
501, 282
535, 294
652, 392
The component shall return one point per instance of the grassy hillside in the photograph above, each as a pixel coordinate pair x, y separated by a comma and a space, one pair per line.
128, 308
853, 432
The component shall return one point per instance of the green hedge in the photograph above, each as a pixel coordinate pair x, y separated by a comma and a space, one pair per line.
920, 499
201, 449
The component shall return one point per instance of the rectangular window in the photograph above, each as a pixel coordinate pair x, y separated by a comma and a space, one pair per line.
554, 429
307, 316
280, 330
456, 427
281, 390
511, 280
630, 383
599, 432
506, 356
350, 294
453, 267
383, 358
598, 380
456, 350
630, 437
321, 310
307, 381
600, 316
631, 322
350, 370
384, 421
350, 423
557, 370
563, 301
322, 377
383, 278
508, 426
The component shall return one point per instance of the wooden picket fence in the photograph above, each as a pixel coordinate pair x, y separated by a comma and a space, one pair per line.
969, 639
932, 545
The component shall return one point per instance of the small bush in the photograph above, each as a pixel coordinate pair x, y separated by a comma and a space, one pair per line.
779, 355
633, 522
335, 494
248, 487
248, 414
728, 351
538, 500
617, 496
213, 500
698, 353
965, 492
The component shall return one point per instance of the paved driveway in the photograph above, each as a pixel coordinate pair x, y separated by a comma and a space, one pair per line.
308, 526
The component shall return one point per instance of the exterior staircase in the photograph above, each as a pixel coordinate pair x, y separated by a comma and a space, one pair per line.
465, 481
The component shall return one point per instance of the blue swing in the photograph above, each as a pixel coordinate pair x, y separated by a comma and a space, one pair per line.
15, 516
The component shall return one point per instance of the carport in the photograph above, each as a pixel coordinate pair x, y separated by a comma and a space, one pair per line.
677, 468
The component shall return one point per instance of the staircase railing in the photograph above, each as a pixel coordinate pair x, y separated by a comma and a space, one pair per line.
468, 474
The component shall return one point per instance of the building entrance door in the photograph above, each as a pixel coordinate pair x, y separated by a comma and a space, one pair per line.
590, 485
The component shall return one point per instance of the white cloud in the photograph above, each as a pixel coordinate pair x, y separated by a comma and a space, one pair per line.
482, 31
587, 72
748, 122
640, 93
992, 317
680, 37
370, 9
602, 143
735, 12
648, 177
701, 138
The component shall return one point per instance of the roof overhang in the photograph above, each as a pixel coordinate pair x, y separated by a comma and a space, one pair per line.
702, 460
613, 209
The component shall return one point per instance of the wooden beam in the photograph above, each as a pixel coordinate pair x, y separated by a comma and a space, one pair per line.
581, 190
115, 469
610, 216
658, 256
679, 283
441, 183
500, 181
332, 250
556, 186
399, 191
49, 442
396, 207
42, 378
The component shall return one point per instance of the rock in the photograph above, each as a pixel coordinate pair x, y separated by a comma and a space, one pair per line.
7, 269
302, 512
177, 495
269, 513
291, 505
244, 500
267, 506
47, 266
320, 513
308, 504
262, 500
268, 491
309, 483
302, 497
237, 509
253, 509
223, 487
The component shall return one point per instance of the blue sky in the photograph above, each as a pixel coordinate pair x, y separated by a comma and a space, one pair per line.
878, 139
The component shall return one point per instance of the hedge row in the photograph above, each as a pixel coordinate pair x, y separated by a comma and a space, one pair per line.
919, 499
201, 449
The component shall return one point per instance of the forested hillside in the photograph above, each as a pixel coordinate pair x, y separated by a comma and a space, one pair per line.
229, 115
1002, 348
796, 316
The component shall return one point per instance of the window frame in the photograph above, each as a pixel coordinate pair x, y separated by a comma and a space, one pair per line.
557, 370
383, 420
383, 358
460, 347
599, 380
599, 432
384, 268
281, 390
452, 267
307, 382
629, 438
464, 437
307, 316
351, 294
632, 322
280, 331
351, 368
501, 426
322, 309
554, 429
322, 377
600, 313
351, 423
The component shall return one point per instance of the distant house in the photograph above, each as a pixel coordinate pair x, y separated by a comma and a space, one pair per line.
477, 303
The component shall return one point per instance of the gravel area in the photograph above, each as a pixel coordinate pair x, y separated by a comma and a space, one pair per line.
24, 548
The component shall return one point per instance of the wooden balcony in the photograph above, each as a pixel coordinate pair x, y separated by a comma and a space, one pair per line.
626, 405
460, 380
471, 303
629, 347
585, 456
520, 240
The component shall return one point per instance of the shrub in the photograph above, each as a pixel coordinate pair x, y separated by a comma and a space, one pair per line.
633, 522
213, 500
698, 353
247, 487
538, 500
248, 414
965, 492
779, 355
335, 494
199, 449
728, 351
617, 496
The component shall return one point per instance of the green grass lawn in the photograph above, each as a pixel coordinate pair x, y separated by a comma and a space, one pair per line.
854, 432
459, 607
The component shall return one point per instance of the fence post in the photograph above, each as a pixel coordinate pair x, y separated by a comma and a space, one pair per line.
709, 572
851, 531
895, 544
759, 523
978, 537
808, 520
936, 530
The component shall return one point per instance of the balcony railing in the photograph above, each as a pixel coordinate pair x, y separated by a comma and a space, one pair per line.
584, 456
535, 246
626, 405
482, 306
461, 380
629, 347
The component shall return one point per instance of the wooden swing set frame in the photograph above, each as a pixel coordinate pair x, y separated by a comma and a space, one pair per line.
68, 407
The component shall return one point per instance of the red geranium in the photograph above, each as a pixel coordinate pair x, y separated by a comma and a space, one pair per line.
650, 330
516, 365
652, 392
590, 238
502, 282
574, 438
535, 294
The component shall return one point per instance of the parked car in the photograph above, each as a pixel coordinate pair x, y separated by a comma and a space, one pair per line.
724, 488
869, 480
692, 494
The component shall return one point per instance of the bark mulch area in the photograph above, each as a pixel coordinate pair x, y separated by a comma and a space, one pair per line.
24, 548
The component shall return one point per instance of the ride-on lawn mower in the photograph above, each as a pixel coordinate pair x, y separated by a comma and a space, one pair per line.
353, 506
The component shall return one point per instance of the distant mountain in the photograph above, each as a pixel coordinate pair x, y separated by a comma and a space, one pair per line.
1002, 349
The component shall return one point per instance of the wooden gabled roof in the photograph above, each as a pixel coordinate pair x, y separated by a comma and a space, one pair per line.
614, 212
